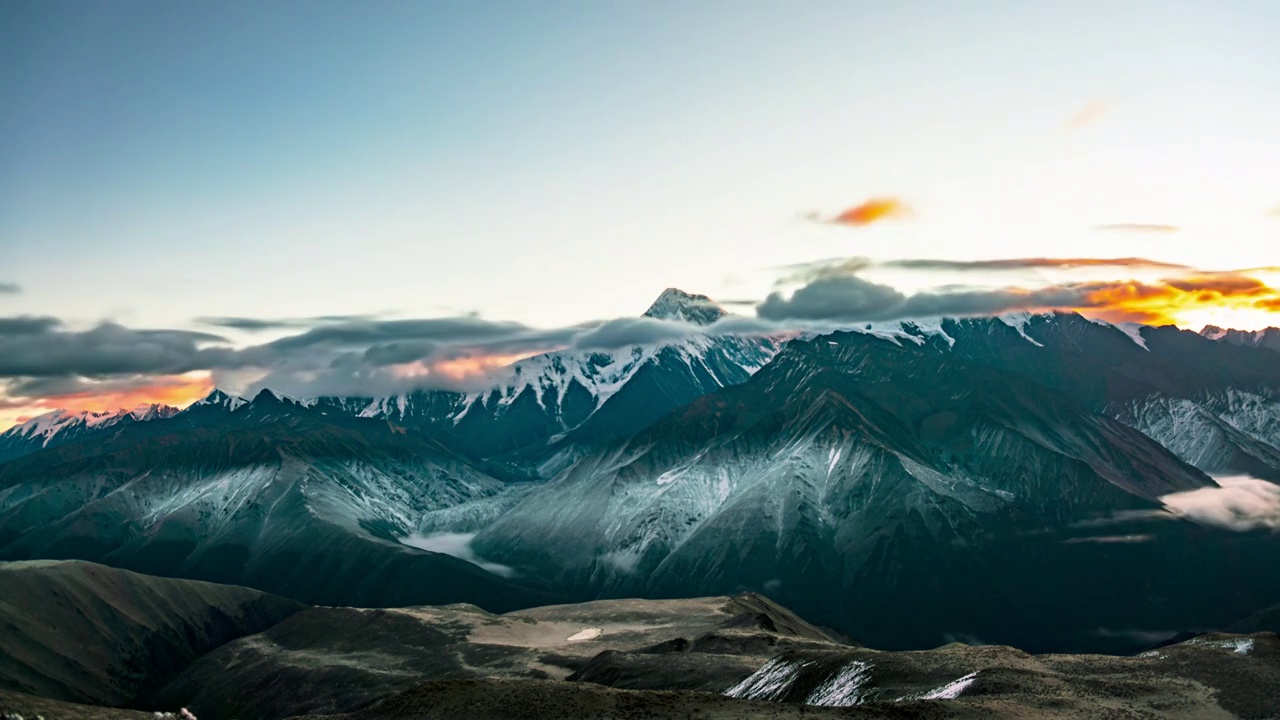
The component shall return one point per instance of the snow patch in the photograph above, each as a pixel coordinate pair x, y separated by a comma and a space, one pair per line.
951, 690
1241, 646
844, 688
1019, 321
586, 634
770, 682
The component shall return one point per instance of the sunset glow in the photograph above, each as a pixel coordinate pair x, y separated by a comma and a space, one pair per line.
176, 390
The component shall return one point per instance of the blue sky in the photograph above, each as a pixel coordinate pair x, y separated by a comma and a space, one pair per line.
554, 162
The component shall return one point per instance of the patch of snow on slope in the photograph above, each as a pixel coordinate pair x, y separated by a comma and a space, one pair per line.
585, 634
1019, 321
770, 682
1133, 330
844, 688
1241, 646
950, 691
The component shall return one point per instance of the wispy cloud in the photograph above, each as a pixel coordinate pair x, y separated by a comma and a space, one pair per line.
249, 324
10, 288
868, 212
1137, 227
1088, 115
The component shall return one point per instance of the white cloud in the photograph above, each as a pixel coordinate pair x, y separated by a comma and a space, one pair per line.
1240, 503
456, 545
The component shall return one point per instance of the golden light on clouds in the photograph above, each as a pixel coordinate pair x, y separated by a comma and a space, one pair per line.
1233, 299
175, 390
870, 211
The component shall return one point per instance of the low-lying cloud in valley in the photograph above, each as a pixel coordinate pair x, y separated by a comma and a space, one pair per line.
456, 545
1240, 503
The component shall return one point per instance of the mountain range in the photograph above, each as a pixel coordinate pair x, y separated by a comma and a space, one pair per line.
1045, 481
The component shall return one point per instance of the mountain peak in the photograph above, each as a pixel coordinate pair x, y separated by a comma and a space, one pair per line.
1266, 337
676, 304
220, 398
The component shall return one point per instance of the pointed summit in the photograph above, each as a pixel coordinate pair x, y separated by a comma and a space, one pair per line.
676, 304
221, 399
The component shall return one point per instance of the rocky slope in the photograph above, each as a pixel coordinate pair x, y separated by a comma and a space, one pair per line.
81, 632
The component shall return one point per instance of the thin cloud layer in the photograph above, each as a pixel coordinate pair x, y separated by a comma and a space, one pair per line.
871, 211
8, 288
248, 324
838, 267
1137, 227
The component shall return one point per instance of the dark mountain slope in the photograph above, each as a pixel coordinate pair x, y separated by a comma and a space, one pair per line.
82, 632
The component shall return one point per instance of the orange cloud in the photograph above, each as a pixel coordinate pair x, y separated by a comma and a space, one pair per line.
1088, 115
1138, 227
871, 211
176, 390
1181, 301
474, 366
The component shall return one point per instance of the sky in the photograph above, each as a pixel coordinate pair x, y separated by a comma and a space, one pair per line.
167, 167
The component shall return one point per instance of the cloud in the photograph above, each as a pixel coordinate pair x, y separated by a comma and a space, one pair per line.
9, 288
1038, 263
24, 325
40, 347
870, 211
1239, 503
1088, 115
1137, 227
837, 267
36, 396
855, 299
259, 324
833, 291
627, 332
456, 545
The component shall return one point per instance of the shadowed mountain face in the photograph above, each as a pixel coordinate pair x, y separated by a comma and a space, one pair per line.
87, 633
274, 496
1215, 404
902, 493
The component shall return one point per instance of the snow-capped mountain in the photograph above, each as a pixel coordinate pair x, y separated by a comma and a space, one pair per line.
59, 426
676, 304
603, 394
898, 490
1267, 337
272, 495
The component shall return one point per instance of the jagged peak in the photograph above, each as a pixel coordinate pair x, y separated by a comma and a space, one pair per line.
220, 398
676, 304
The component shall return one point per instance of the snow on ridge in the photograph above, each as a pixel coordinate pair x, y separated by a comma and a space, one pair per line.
1019, 321
1133, 330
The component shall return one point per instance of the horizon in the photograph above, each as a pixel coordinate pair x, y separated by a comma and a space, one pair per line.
495, 376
